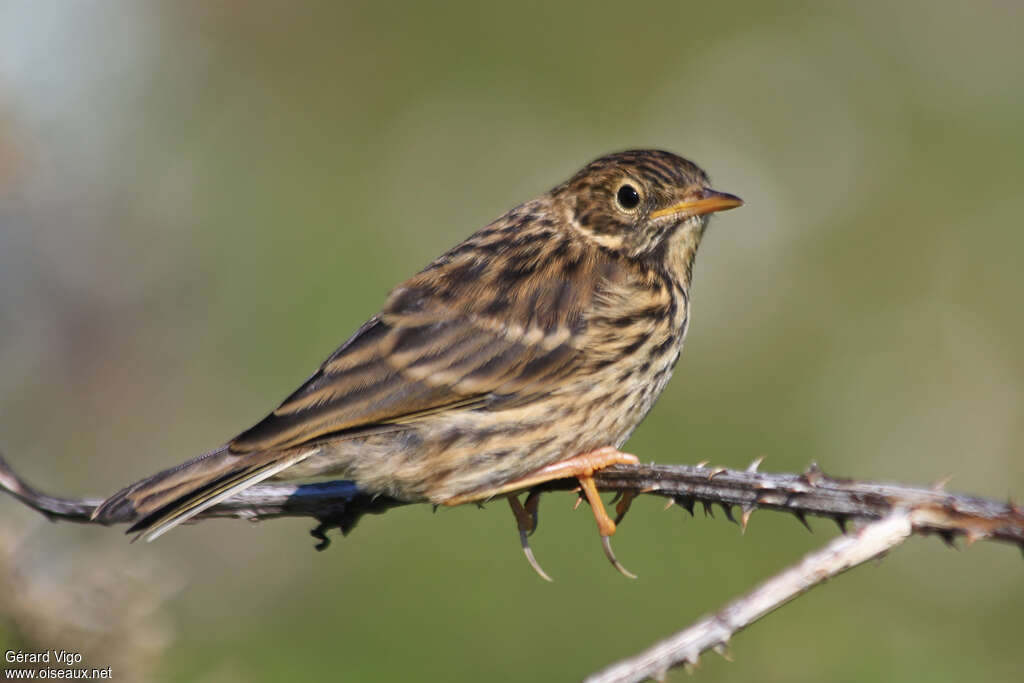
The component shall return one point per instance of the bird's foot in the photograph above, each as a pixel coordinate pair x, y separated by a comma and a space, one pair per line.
605, 524
582, 468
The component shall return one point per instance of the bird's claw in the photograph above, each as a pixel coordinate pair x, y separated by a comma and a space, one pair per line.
526, 521
607, 545
528, 551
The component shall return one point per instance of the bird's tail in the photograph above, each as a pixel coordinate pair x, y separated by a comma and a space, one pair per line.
161, 502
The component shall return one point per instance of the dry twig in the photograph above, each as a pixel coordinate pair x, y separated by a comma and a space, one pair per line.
715, 631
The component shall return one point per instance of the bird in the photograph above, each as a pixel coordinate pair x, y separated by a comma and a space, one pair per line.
528, 352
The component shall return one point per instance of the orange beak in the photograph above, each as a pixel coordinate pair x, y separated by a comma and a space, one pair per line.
707, 201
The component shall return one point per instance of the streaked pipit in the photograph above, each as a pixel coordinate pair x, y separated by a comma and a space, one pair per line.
529, 352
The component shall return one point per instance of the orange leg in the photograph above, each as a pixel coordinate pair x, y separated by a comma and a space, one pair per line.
582, 467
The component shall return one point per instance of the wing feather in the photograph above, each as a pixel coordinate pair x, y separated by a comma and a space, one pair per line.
441, 343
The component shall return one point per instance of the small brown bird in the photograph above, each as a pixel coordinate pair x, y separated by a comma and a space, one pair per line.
527, 353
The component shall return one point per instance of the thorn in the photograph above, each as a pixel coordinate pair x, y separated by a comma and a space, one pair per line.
623, 506
686, 503
752, 467
702, 464
745, 517
723, 650
433, 508
615, 498
812, 474
669, 503
715, 472
661, 675
528, 551
803, 520
948, 538
576, 505
840, 522
708, 510
940, 484
973, 536
607, 545
727, 509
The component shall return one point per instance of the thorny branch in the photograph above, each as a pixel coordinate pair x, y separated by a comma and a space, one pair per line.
339, 504
903, 510
715, 631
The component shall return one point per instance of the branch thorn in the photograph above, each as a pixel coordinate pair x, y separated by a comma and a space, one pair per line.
745, 517
803, 520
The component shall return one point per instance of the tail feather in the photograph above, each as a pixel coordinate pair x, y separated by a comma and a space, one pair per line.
161, 502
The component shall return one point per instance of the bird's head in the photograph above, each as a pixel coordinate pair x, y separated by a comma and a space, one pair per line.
633, 202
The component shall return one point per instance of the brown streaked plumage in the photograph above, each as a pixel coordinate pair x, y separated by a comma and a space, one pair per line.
546, 335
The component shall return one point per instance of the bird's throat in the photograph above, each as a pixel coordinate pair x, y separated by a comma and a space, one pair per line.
681, 251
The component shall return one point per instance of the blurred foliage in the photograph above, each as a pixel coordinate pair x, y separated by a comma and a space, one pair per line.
200, 200
87, 599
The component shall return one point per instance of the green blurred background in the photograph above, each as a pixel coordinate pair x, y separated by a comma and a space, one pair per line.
200, 200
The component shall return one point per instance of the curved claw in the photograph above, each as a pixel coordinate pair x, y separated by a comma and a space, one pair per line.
607, 545
528, 551
526, 521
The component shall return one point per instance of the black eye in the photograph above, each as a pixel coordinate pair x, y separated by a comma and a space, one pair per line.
628, 197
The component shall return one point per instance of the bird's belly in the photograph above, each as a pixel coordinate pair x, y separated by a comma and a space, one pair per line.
455, 453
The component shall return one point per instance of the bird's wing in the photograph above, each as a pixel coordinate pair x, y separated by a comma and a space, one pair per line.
461, 334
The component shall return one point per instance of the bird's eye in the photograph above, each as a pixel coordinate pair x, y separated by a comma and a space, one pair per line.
628, 197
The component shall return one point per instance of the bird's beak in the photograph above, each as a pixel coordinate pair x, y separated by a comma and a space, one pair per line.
706, 201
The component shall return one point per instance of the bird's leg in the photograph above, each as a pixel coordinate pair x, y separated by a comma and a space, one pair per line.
526, 520
532, 508
582, 467
605, 524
